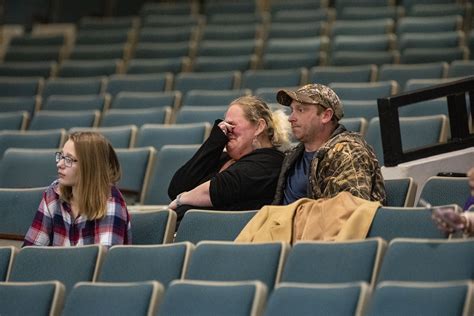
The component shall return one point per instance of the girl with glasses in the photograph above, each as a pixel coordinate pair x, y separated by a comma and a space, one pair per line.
83, 206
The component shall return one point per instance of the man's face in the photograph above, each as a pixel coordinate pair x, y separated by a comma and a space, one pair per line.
305, 121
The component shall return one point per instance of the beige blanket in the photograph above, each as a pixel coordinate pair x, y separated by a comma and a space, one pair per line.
342, 217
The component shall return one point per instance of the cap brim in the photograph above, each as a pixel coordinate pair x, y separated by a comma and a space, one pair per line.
285, 97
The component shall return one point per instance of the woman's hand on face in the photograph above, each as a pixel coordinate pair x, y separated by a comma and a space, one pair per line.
226, 127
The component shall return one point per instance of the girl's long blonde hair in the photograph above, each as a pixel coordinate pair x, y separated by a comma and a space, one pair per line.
99, 168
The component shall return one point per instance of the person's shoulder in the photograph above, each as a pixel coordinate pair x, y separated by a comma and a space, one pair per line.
347, 139
52, 190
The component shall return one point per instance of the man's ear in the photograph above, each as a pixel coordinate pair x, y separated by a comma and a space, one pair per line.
327, 115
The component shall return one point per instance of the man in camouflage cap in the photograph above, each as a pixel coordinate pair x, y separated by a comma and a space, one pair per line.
329, 159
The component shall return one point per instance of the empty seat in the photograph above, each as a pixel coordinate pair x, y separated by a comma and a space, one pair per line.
228, 48
139, 298
138, 83
230, 32
306, 45
73, 86
209, 97
365, 91
428, 24
27, 168
31, 139
349, 58
39, 53
17, 209
321, 262
158, 135
218, 63
166, 50
77, 102
361, 108
295, 30
16, 104
28, 69
328, 74
431, 40
400, 192
123, 136
461, 68
319, 299
152, 226
68, 265
408, 222
254, 79
155, 65
17, 86
163, 35
214, 298
429, 130
64, 119
215, 261
88, 68
162, 263
143, 100
31, 298
431, 55
292, 60
138, 117
102, 51
169, 159
421, 298
445, 190
362, 13
17, 120
196, 114
362, 27
7, 254
198, 225
136, 165
402, 73
355, 124
227, 80
427, 260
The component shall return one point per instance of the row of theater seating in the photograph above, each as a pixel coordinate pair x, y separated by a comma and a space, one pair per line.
179, 35
106, 81
342, 271
148, 127
155, 224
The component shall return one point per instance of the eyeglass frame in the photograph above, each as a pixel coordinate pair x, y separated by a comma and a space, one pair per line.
68, 161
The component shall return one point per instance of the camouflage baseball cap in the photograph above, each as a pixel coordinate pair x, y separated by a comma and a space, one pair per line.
313, 94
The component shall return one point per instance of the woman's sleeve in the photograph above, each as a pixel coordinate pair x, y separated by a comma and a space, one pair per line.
251, 178
40, 230
204, 162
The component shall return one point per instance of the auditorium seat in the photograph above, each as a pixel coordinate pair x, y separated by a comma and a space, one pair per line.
329, 74
7, 255
400, 192
17, 120
98, 102
139, 298
31, 139
216, 261
123, 136
198, 225
445, 190
31, 298
46, 119
408, 222
213, 298
137, 263
152, 226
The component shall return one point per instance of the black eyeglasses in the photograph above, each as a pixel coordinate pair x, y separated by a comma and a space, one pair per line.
68, 161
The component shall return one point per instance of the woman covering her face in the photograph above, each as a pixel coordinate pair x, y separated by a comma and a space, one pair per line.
83, 206
237, 167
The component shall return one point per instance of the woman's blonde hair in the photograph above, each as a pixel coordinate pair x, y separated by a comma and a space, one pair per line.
277, 122
99, 168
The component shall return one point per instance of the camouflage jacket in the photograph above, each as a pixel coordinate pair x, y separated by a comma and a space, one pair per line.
344, 163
